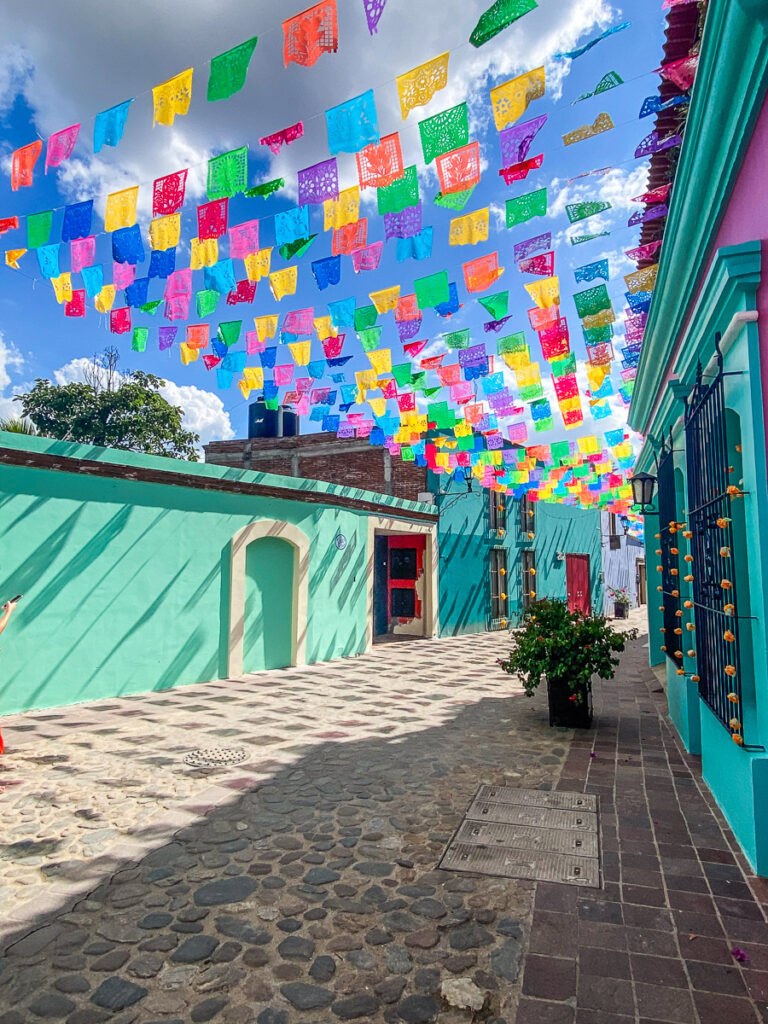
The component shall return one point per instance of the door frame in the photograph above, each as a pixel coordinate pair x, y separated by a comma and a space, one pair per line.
430, 611
279, 530
580, 556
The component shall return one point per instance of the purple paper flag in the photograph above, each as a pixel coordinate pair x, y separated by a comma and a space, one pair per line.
496, 325
373, 11
319, 182
643, 216
166, 337
653, 144
404, 224
517, 140
541, 243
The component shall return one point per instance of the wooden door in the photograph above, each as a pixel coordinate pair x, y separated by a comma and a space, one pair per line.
577, 583
405, 569
642, 584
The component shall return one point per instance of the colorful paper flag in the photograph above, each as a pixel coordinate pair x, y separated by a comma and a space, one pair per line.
418, 86
229, 70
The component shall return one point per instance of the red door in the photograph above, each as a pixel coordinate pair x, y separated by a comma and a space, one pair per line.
405, 567
577, 583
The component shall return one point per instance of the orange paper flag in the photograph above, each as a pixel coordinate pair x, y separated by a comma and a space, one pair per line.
23, 164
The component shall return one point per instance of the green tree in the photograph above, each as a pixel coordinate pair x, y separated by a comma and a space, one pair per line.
112, 410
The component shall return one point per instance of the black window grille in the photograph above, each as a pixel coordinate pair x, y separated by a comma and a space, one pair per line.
670, 559
499, 603
497, 510
527, 516
709, 519
529, 579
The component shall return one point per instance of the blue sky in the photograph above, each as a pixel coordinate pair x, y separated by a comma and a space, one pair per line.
63, 69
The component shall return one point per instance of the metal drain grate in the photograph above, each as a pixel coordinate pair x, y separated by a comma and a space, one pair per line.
528, 833
215, 757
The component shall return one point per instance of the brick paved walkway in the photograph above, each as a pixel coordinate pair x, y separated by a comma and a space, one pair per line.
655, 944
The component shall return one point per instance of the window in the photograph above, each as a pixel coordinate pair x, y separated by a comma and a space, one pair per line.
497, 510
529, 579
499, 599
527, 515
614, 540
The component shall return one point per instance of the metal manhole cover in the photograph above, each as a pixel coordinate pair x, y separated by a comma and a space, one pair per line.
528, 833
215, 757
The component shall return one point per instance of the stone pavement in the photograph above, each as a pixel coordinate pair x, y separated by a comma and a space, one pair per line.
299, 885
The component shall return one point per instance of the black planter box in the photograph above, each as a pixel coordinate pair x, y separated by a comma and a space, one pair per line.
619, 611
565, 712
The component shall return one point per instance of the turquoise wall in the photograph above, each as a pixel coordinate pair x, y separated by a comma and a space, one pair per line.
268, 614
466, 542
126, 584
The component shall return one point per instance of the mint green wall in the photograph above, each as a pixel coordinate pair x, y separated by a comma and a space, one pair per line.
561, 528
126, 584
268, 604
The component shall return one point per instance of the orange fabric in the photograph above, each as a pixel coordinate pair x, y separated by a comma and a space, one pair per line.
308, 35
23, 164
379, 164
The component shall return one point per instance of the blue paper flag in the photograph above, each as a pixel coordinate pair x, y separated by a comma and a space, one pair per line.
234, 362
291, 225
127, 246
352, 125
418, 247
271, 390
331, 423
93, 279
223, 378
48, 258
109, 124
342, 312
220, 277
316, 368
591, 271
452, 305
268, 357
136, 293
573, 54
162, 262
327, 271
77, 221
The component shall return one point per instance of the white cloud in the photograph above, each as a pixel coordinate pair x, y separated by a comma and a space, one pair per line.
11, 361
203, 412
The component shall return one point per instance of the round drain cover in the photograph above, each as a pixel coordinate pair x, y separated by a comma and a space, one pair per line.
215, 757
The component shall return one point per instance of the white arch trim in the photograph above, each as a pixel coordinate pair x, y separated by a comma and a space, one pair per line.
382, 524
279, 530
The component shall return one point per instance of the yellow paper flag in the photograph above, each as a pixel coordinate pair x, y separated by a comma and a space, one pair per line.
602, 123
386, 299
257, 264
528, 375
469, 229
510, 99
344, 210
254, 376
266, 326
516, 360
12, 257
204, 252
172, 97
105, 300
418, 86
378, 405
588, 445
188, 353
642, 280
300, 350
121, 209
546, 292
283, 282
164, 232
601, 319
381, 360
62, 287
325, 328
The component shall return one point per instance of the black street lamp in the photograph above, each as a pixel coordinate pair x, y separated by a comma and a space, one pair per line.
643, 485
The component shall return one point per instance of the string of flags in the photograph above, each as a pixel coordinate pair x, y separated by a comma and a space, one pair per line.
448, 402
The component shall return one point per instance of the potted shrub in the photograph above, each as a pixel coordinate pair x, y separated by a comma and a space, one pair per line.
621, 602
568, 648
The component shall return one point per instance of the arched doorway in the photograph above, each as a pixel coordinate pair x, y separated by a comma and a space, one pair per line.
268, 626
269, 592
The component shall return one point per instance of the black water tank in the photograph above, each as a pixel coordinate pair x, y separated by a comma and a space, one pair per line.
264, 422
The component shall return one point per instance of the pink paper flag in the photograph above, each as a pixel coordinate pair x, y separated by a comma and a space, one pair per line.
82, 252
60, 146
284, 137
123, 274
243, 239
253, 344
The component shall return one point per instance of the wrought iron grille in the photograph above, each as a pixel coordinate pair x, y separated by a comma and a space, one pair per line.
670, 568
709, 518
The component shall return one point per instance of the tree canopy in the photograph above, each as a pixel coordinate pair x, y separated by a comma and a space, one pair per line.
111, 409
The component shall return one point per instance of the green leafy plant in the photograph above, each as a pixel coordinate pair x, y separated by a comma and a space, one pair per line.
568, 647
619, 596
14, 425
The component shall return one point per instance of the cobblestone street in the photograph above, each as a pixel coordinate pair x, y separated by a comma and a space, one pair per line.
301, 884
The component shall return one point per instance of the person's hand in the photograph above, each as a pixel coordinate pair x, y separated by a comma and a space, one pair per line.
9, 606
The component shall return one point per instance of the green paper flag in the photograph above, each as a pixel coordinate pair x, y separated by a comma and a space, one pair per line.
454, 200
560, 450
513, 343
365, 316
370, 337
151, 307
229, 69
598, 335
401, 193
445, 131
533, 204
580, 211
264, 190
457, 339
407, 454
402, 374
562, 367
418, 381
530, 392
428, 392
206, 300
228, 174
498, 17
592, 301
292, 250
579, 239
38, 228
497, 305
229, 332
432, 291
140, 335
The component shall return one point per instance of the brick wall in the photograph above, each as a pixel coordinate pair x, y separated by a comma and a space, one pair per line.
351, 463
